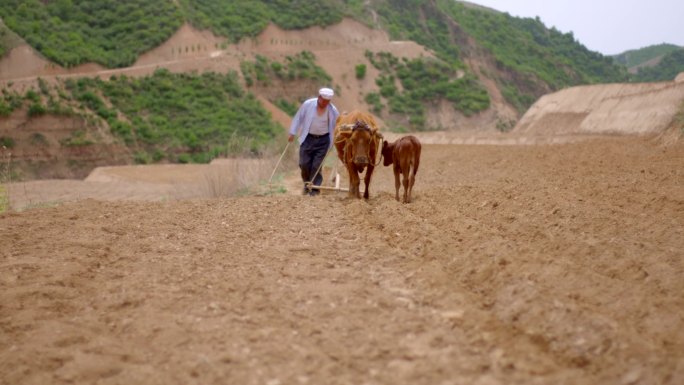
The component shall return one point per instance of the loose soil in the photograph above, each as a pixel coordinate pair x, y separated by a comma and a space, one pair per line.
518, 264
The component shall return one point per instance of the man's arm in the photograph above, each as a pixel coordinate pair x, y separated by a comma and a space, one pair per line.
297, 122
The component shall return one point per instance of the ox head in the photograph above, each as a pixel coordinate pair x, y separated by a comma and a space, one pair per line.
361, 141
387, 151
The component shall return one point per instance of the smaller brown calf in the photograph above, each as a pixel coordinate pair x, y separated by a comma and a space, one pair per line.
404, 153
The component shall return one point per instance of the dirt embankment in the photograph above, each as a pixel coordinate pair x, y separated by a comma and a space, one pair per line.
548, 264
622, 109
51, 146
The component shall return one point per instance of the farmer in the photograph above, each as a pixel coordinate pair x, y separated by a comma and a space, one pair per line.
315, 122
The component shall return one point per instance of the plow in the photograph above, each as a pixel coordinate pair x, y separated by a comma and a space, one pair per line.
333, 184
343, 145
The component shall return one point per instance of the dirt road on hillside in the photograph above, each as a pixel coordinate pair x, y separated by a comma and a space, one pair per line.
548, 264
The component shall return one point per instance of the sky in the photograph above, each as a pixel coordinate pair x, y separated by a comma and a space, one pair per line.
606, 26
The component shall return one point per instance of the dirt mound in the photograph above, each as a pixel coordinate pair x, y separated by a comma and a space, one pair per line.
510, 267
644, 108
163, 182
44, 147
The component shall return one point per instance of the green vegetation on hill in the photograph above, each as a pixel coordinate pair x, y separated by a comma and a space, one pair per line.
115, 32
194, 118
536, 58
110, 32
298, 67
4, 39
162, 117
529, 59
38, 102
635, 57
423, 81
668, 68
191, 116
10, 101
423, 23
246, 18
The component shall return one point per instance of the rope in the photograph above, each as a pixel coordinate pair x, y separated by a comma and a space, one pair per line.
379, 152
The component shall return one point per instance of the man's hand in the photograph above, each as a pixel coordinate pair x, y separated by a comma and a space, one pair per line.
290, 138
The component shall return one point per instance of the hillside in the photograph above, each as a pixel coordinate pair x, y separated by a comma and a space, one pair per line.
459, 34
667, 67
646, 56
454, 67
615, 109
338, 49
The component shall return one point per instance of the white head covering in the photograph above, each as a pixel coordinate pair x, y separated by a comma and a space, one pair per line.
326, 93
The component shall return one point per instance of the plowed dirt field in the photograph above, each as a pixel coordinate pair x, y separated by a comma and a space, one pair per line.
519, 264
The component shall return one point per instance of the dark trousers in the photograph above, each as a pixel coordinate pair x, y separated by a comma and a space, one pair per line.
311, 154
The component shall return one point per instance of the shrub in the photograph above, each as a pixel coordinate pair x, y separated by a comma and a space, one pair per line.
36, 109
38, 139
360, 71
5, 109
184, 158
373, 99
6, 142
77, 138
142, 157
289, 108
32, 96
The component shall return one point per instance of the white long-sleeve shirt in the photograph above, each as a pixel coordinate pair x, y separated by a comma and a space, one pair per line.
305, 115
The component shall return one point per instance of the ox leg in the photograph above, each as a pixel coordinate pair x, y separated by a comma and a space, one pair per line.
367, 180
412, 181
397, 172
405, 183
353, 182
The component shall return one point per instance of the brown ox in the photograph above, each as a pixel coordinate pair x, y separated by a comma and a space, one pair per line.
357, 142
405, 154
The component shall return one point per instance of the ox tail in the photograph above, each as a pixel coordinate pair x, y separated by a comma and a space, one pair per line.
416, 160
